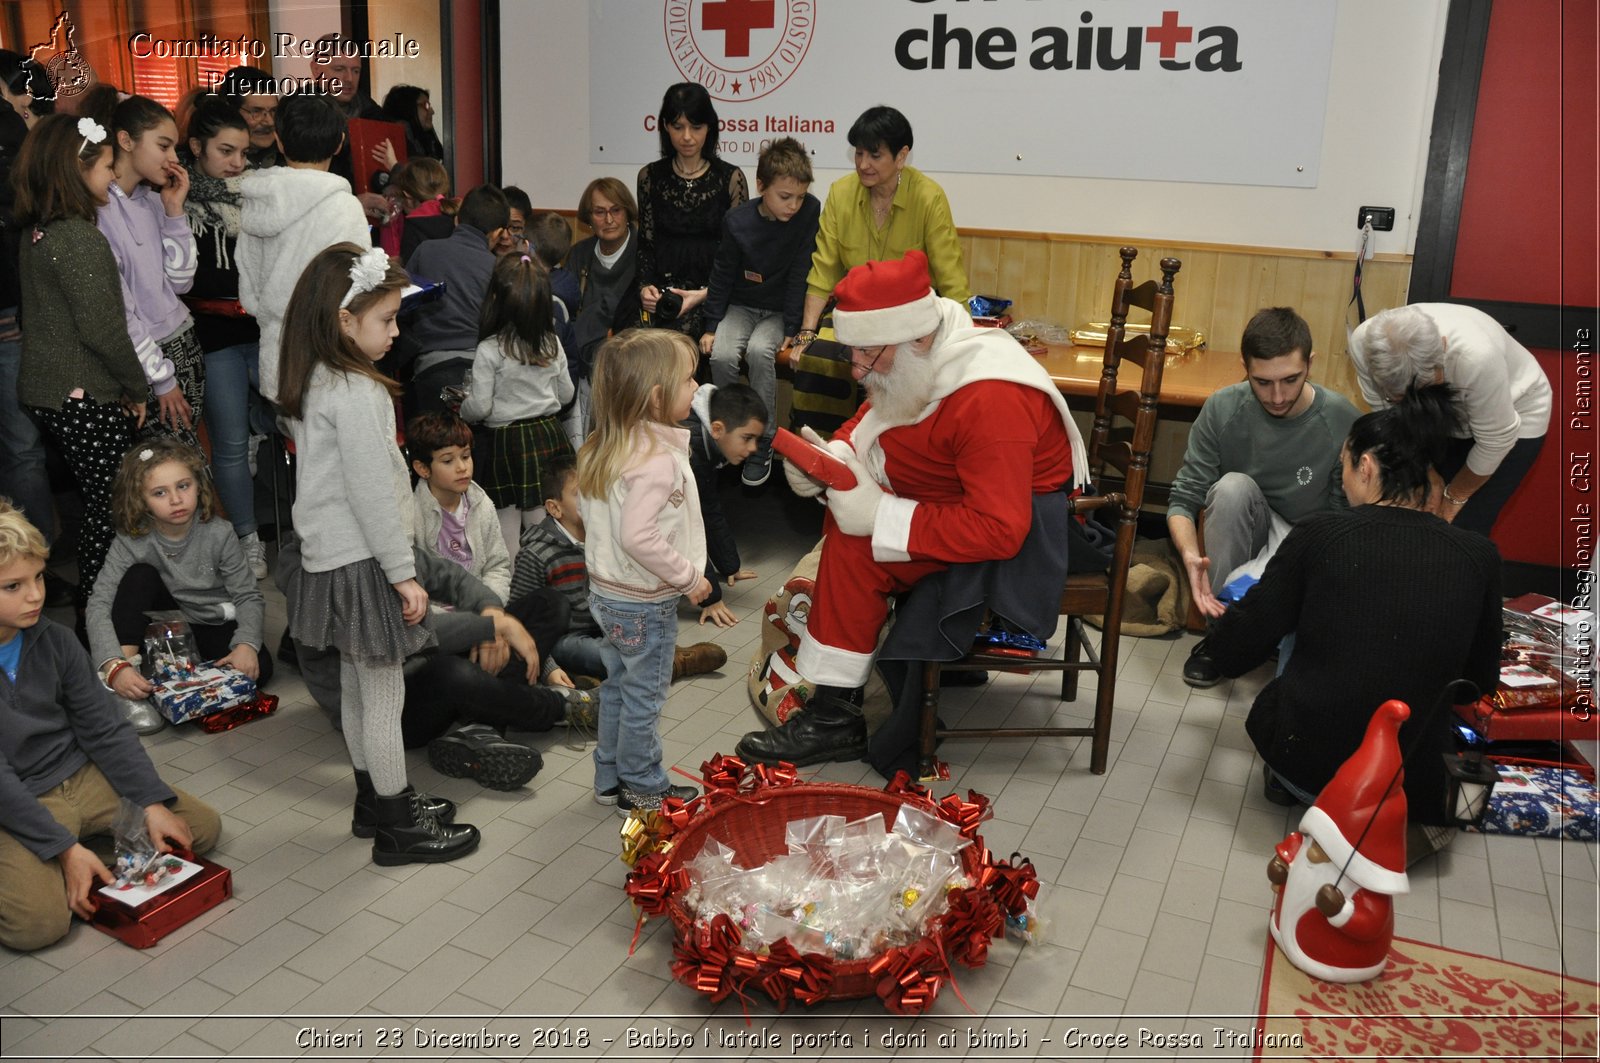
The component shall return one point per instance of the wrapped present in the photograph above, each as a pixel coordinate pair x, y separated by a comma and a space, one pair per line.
185, 691
167, 896
1543, 801
1179, 339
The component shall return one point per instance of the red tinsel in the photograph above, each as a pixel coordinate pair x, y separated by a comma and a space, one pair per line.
1014, 883
909, 978
651, 886
966, 815
971, 922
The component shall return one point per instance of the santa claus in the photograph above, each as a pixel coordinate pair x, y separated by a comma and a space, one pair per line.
1337, 875
961, 435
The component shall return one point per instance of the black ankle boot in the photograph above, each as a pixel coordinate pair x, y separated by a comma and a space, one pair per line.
830, 728
405, 835
364, 821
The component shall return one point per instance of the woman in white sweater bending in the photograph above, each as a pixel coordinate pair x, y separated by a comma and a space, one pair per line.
1502, 392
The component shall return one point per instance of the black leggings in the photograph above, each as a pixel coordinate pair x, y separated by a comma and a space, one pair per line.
442, 688
142, 591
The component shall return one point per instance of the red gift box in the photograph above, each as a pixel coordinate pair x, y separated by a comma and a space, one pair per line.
143, 925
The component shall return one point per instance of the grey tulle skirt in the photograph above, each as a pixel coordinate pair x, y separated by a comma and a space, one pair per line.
353, 609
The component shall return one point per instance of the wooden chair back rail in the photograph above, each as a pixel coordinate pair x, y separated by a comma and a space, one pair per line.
1127, 451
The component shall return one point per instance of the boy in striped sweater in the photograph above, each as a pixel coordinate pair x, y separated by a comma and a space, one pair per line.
551, 555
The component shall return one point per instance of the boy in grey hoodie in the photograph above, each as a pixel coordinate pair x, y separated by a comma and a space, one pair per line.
290, 214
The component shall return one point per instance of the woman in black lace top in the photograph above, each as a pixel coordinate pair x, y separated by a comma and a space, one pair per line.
682, 198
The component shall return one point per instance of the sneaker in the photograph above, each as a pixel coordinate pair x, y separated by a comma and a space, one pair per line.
607, 797
143, 715
698, 659
756, 469
255, 554
477, 751
1274, 790
632, 801
583, 716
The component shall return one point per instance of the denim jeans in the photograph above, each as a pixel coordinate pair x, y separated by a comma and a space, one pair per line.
581, 655
755, 334
232, 377
22, 473
637, 653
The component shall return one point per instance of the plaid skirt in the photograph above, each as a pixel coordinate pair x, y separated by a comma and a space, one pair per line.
520, 456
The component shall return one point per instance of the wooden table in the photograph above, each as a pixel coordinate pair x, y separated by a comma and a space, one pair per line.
1186, 382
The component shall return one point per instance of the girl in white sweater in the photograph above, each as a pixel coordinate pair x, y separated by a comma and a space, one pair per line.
519, 384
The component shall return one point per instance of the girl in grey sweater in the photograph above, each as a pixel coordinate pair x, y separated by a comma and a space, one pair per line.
171, 554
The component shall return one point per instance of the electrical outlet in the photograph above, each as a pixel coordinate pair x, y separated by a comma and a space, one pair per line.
1382, 218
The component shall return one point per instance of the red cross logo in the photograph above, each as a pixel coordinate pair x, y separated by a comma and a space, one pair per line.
736, 18
1169, 34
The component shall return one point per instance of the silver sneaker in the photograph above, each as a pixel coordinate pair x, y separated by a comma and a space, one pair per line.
143, 715
255, 554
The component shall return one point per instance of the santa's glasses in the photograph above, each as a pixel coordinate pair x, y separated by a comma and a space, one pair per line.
873, 353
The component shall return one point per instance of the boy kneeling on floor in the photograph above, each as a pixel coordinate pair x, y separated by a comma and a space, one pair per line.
66, 756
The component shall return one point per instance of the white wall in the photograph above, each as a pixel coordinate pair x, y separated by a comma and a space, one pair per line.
1380, 107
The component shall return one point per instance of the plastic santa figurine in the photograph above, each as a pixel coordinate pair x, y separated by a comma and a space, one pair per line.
1336, 876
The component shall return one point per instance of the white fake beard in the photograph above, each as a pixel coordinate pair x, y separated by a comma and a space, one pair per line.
901, 394
1300, 891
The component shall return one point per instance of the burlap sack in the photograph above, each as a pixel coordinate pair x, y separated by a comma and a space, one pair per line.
776, 688
1157, 598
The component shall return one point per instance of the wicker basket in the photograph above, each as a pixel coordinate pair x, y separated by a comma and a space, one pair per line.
754, 826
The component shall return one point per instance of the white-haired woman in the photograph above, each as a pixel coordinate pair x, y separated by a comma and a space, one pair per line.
1500, 388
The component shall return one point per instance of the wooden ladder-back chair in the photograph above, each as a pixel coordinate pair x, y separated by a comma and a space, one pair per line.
1122, 452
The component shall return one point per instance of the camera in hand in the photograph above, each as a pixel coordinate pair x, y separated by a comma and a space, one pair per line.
668, 307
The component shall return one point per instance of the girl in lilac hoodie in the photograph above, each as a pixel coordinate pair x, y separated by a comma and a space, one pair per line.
143, 221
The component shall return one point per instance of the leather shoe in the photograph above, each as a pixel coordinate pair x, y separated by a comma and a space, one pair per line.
830, 728
1274, 790
698, 659
1200, 671
477, 751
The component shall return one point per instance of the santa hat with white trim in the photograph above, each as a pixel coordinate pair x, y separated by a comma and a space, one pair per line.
1365, 805
886, 302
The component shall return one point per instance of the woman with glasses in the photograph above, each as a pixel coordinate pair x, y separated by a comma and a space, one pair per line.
605, 266
683, 197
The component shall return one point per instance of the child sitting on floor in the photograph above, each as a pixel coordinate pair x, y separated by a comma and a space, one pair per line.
551, 556
172, 552
455, 519
66, 759
726, 426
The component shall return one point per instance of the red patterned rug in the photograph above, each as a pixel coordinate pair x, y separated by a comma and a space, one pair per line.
1430, 1002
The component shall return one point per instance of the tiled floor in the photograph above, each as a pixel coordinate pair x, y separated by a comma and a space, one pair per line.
1155, 898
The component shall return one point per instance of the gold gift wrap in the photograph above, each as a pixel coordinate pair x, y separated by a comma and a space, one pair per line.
1179, 339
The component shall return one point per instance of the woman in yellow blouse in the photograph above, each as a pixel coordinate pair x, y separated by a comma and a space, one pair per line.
880, 212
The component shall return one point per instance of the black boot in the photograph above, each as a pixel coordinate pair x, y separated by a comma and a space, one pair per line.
406, 835
364, 821
830, 728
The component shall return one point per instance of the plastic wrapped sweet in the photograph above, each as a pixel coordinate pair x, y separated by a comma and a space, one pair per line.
137, 858
849, 890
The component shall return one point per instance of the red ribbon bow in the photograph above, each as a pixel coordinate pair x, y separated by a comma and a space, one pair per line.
909, 978
786, 973
971, 922
1014, 883
709, 960
652, 886
903, 784
780, 774
965, 816
722, 773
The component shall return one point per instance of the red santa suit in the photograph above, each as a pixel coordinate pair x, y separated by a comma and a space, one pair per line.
959, 480
1364, 801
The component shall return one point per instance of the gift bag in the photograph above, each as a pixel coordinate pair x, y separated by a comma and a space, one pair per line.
777, 689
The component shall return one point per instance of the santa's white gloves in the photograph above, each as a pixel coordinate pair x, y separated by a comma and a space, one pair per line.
800, 482
856, 510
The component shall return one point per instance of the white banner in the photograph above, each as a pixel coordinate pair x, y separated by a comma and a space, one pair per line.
1225, 91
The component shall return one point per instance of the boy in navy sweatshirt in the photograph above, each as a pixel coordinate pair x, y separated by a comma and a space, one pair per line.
758, 283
